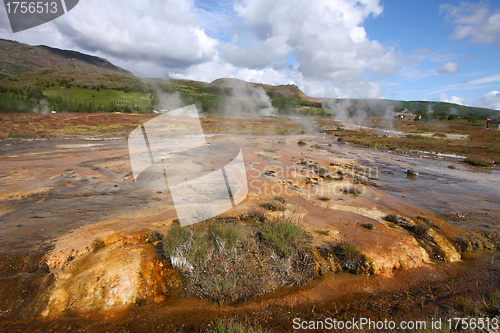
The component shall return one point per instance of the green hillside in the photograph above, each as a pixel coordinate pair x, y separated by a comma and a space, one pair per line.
40, 78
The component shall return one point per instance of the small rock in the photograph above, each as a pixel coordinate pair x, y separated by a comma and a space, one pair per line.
45, 268
301, 143
269, 173
412, 172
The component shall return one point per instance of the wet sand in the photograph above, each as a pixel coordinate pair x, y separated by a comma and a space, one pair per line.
72, 198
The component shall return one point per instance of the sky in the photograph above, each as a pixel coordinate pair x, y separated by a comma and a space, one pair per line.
434, 50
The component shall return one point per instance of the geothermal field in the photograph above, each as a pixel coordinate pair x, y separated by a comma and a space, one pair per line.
328, 228
249, 166
134, 204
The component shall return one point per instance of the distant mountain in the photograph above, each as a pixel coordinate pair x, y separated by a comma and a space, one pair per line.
435, 109
289, 90
18, 58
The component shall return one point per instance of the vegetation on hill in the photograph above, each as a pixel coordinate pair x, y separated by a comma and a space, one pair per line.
424, 110
41, 79
18, 58
48, 91
44, 79
62, 95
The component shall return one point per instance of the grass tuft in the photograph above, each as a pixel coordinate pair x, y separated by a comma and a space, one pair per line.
280, 199
488, 305
350, 256
418, 229
20, 136
283, 234
493, 303
467, 305
258, 214
273, 205
392, 217
173, 239
233, 326
222, 265
477, 161
367, 226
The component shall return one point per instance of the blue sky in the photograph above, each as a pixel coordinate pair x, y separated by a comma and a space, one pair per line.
424, 32
396, 49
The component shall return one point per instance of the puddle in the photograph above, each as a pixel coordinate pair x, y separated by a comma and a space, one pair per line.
464, 190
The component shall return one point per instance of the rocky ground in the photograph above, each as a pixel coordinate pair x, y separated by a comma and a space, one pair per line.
76, 250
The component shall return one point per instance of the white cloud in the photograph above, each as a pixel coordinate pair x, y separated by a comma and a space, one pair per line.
218, 68
320, 45
453, 99
164, 34
473, 21
449, 67
257, 55
487, 79
483, 82
491, 100
327, 39
422, 64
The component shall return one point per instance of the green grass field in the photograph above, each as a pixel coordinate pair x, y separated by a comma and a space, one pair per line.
110, 99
